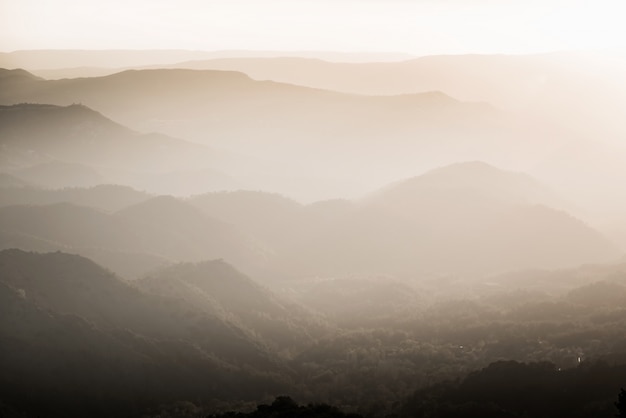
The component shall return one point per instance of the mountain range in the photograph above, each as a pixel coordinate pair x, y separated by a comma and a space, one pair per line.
320, 137
133, 240
71, 329
74, 146
468, 218
192, 241
462, 219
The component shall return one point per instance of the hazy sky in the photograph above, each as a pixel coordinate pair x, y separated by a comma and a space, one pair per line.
418, 26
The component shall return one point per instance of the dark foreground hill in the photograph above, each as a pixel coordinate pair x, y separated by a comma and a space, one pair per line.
510, 389
218, 288
76, 340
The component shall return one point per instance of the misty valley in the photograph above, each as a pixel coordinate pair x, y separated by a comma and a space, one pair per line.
272, 236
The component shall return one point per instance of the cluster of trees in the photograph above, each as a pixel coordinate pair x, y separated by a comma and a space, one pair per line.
285, 407
512, 389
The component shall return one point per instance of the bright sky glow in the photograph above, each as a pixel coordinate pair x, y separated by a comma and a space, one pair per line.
419, 27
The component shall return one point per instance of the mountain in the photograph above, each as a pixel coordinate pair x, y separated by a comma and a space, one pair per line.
466, 219
70, 328
106, 197
57, 175
562, 282
77, 134
18, 76
559, 83
549, 100
358, 301
74, 146
533, 83
568, 96
75, 285
178, 230
132, 241
192, 182
310, 134
278, 221
71, 225
44, 353
541, 390
218, 288
171, 96
475, 177
271, 217
76, 229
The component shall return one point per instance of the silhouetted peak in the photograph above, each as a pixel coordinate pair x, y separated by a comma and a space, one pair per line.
72, 119
164, 203
473, 174
17, 74
114, 188
74, 107
215, 277
17, 260
164, 208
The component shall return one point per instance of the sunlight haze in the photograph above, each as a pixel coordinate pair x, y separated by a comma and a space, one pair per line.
415, 27
312, 208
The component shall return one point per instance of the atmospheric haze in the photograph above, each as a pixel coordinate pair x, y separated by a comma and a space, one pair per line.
312, 208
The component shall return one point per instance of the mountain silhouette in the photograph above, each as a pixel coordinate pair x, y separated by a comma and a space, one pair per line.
80, 328
132, 241
468, 218
274, 218
176, 229
65, 146
106, 197
475, 177
299, 128
217, 287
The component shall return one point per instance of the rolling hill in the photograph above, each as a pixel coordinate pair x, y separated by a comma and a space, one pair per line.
180, 231
467, 218
78, 134
106, 197
132, 241
75, 146
218, 288
464, 219
70, 329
